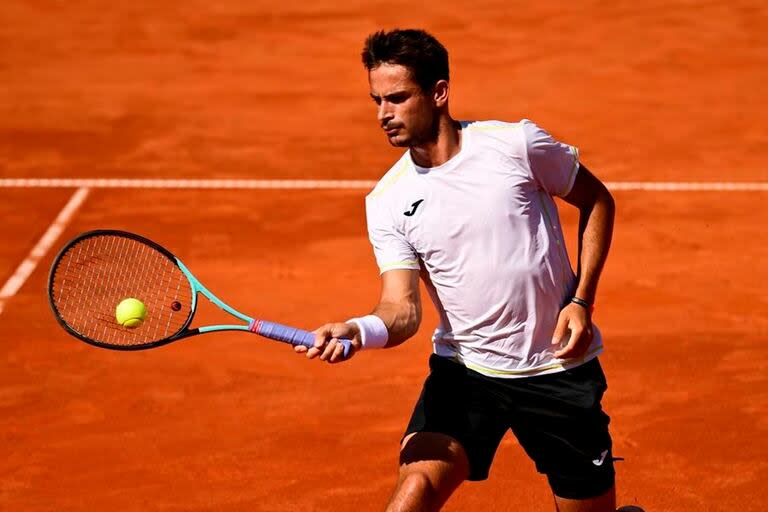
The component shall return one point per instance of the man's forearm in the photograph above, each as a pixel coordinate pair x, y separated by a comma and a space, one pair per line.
595, 233
402, 320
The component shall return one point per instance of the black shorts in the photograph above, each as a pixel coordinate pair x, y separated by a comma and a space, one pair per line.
557, 419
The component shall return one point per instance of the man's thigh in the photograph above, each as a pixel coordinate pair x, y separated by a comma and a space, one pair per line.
560, 423
455, 403
438, 455
432, 466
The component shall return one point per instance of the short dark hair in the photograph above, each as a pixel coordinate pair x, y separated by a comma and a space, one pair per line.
417, 50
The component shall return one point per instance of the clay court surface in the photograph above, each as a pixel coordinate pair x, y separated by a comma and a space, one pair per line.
649, 91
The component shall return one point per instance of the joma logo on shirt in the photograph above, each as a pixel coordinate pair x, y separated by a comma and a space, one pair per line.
413, 210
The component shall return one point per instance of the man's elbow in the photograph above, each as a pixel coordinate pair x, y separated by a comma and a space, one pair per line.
598, 197
605, 198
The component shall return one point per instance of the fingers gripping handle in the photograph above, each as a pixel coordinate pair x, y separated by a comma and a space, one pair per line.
290, 335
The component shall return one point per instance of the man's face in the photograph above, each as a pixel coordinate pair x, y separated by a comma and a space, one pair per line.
406, 114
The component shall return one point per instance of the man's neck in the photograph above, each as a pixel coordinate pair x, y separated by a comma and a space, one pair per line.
446, 145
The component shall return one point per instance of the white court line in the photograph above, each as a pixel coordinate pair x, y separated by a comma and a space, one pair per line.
187, 183
25, 269
339, 184
702, 186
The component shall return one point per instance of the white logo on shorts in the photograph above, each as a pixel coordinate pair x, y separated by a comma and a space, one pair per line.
599, 462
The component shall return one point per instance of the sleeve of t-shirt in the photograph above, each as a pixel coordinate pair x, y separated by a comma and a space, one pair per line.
553, 164
390, 247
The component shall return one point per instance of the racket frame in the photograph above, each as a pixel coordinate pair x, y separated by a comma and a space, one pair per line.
196, 286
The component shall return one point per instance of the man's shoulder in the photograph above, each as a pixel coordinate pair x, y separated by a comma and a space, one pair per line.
392, 178
492, 125
503, 136
523, 126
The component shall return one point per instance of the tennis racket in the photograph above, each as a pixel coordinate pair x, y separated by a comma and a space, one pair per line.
96, 270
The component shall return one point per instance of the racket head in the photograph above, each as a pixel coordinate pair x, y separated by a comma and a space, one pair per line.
98, 269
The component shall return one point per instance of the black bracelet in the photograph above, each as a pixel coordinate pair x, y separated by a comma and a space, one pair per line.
581, 302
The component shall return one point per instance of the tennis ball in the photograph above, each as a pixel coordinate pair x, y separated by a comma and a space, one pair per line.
130, 312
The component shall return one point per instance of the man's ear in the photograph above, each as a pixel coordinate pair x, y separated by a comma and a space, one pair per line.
440, 93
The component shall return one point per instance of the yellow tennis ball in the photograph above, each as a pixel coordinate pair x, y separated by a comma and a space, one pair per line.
130, 312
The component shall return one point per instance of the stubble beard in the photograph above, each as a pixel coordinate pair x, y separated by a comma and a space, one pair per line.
429, 135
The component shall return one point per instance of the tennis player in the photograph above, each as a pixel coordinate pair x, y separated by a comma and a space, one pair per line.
469, 208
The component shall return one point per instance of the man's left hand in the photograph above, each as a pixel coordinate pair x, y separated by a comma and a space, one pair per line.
575, 325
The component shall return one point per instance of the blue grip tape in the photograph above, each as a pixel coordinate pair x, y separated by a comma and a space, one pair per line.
290, 335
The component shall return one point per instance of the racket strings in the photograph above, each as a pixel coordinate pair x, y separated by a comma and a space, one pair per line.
93, 276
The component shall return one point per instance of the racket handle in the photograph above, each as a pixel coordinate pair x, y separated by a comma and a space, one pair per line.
290, 335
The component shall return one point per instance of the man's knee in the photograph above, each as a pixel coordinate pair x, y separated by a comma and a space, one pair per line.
431, 467
417, 486
416, 491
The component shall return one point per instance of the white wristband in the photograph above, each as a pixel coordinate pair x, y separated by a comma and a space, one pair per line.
373, 332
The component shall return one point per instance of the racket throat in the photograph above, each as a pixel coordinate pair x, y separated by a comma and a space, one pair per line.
254, 326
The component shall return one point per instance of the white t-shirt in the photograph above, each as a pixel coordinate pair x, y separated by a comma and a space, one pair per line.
484, 231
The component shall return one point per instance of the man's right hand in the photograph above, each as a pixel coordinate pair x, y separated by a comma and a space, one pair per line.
327, 344
399, 308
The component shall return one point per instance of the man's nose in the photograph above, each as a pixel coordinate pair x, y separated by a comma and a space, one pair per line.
384, 113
